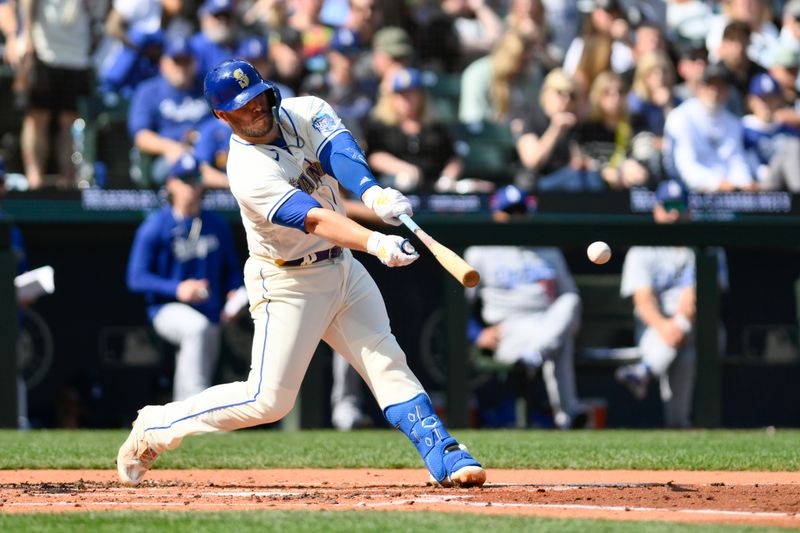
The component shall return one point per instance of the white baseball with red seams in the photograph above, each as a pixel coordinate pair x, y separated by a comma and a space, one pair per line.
599, 252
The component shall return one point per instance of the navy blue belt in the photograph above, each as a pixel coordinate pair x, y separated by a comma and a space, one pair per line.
310, 259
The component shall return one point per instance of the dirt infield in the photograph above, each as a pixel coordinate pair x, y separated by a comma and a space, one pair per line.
756, 498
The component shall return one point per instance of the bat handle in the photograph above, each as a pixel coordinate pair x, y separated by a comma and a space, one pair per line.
409, 223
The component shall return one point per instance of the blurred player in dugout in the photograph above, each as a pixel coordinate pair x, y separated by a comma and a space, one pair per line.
529, 310
661, 281
184, 262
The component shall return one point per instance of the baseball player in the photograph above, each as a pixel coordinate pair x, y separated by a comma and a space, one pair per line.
286, 162
661, 281
184, 261
530, 310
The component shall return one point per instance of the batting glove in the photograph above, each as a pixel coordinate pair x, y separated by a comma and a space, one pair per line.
392, 250
387, 203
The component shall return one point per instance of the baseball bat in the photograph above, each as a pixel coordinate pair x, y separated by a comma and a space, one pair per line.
455, 265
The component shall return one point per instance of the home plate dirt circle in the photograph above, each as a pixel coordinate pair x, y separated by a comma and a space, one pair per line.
757, 498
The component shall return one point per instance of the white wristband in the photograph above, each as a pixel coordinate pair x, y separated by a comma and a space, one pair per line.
370, 195
374, 241
683, 322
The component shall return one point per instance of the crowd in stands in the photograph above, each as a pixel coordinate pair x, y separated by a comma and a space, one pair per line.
587, 94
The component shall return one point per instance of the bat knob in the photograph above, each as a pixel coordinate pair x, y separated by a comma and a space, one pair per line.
407, 247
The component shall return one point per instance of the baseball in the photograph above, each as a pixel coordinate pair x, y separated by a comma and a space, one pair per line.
599, 253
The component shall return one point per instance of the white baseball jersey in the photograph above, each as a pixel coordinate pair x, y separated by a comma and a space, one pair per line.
263, 177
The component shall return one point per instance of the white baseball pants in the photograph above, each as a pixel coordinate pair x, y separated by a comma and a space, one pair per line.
292, 309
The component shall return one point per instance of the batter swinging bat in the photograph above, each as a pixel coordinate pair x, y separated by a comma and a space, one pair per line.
460, 269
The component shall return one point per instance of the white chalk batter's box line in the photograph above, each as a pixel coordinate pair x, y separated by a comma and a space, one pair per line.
448, 499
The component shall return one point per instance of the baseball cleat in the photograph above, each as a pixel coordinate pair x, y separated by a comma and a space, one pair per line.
636, 377
468, 472
135, 456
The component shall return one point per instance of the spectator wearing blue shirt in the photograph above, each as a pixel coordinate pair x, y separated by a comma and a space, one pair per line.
772, 147
136, 62
166, 109
184, 262
217, 39
211, 151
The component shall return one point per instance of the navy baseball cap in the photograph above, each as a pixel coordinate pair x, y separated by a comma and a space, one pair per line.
186, 169
672, 195
509, 198
215, 7
407, 79
346, 42
178, 47
763, 85
252, 48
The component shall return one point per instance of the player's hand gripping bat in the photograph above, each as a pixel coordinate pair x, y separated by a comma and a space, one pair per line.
460, 269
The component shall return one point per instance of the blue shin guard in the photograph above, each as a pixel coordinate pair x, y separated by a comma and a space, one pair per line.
442, 454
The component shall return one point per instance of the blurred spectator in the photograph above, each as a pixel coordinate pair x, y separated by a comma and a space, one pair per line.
756, 15
529, 310
286, 53
732, 53
257, 52
562, 20
604, 44
647, 38
692, 60
547, 147
650, 98
772, 148
211, 150
265, 16
477, 27
9, 28
605, 137
405, 144
304, 17
391, 51
166, 109
784, 70
53, 75
132, 44
649, 102
687, 19
703, 143
434, 37
661, 281
350, 97
499, 87
184, 262
790, 29
218, 36
363, 18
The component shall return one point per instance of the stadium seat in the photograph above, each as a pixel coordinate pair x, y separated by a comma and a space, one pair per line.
488, 151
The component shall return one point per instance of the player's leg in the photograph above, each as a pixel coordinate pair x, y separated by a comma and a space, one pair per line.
561, 388
35, 145
288, 325
361, 333
346, 396
198, 341
681, 379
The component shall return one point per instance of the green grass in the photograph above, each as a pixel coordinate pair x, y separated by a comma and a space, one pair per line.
609, 449
343, 521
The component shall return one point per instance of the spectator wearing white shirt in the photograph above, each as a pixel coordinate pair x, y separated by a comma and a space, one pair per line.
703, 143
758, 16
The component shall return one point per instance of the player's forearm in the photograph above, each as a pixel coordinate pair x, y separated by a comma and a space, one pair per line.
152, 143
646, 304
337, 229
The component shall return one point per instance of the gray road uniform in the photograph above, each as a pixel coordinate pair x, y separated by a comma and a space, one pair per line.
667, 271
532, 295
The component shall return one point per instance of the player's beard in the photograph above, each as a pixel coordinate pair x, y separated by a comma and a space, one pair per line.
260, 129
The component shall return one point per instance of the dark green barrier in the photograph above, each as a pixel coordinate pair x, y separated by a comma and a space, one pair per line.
8, 330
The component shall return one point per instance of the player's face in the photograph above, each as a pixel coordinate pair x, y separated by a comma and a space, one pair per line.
254, 120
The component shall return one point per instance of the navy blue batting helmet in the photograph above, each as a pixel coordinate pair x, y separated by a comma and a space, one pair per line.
233, 83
